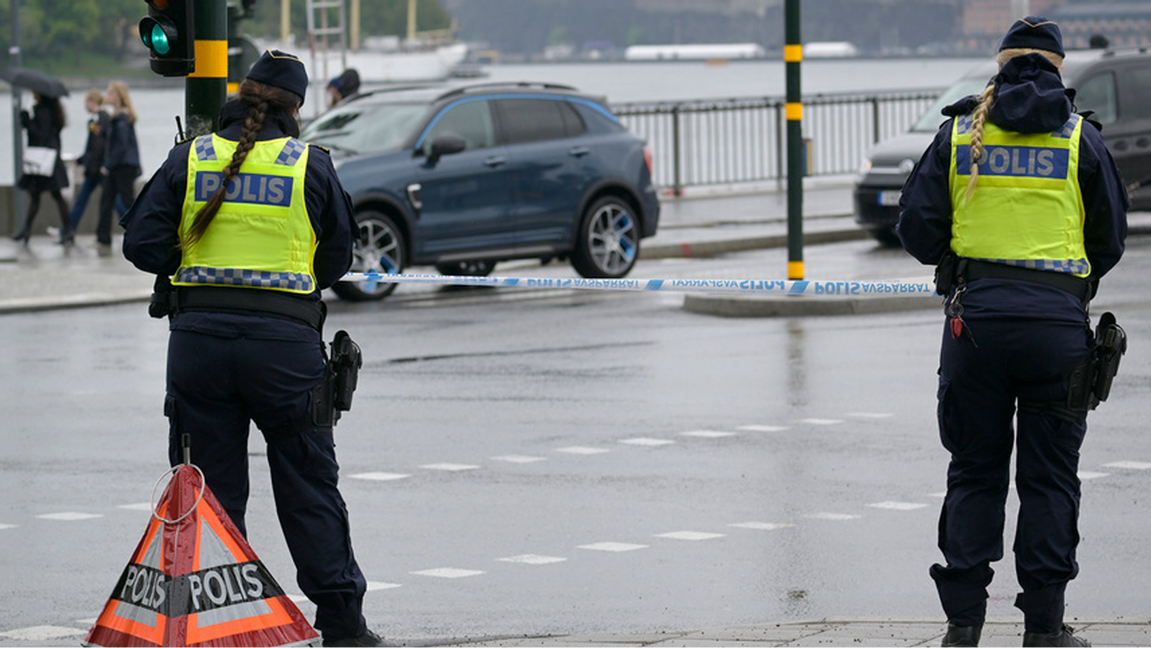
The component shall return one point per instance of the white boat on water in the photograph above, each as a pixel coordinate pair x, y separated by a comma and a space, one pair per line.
334, 46
429, 63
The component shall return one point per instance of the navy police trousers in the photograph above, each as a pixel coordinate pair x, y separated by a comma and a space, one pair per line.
220, 381
1020, 344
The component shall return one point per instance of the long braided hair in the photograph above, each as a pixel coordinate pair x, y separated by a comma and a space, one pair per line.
979, 116
262, 99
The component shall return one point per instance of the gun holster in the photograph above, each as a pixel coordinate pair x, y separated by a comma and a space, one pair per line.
164, 301
334, 394
1090, 380
946, 273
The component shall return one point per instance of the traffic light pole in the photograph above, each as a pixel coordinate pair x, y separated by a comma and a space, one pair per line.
793, 56
206, 89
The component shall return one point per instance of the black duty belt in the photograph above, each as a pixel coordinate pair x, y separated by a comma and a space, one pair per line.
971, 269
252, 301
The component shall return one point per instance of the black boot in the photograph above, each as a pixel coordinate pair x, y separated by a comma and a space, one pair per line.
962, 635
1060, 637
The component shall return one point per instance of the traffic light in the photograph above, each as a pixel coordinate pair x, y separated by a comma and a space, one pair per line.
168, 33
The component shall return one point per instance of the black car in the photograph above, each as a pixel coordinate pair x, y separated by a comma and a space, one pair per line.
1115, 84
464, 178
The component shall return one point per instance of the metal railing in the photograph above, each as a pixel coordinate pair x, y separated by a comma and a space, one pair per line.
735, 141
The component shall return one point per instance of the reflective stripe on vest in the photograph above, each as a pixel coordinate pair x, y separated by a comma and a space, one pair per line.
262, 236
1026, 210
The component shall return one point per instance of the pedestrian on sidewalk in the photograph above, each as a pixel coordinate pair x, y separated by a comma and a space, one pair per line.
1020, 205
121, 161
44, 126
92, 160
251, 224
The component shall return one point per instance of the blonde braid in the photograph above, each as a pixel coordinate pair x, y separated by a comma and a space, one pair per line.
978, 119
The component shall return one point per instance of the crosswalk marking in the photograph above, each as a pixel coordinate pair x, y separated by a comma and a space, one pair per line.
532, 559
762, 526
69, 516
646, 441
613, 546
582, 450
449, 467
379, 476
521, 459
690, 535
449, 572
897, 506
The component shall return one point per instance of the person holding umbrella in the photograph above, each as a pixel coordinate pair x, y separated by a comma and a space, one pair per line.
44, 126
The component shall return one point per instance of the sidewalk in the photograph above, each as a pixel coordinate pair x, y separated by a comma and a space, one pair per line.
842, 632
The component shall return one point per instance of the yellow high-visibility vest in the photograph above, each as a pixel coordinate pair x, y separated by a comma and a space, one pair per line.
1026, 210
262, 236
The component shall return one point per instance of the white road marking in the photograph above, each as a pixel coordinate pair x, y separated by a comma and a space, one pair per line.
645, 441
762, 428
138, 506
762, 526
379, 585
820, 421
69, 516
8, 526
1129, 465
832, 516
897, 506
707, 434
1087, 474
582, 450
379, 476
448, 572
449, 467
613, 546
522, 459
532, 559
690, 535
940, 495
42, 633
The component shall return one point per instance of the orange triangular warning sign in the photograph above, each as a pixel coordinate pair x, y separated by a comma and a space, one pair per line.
194, 581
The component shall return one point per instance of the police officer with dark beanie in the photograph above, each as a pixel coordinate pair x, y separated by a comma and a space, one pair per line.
250, 224
1020, 206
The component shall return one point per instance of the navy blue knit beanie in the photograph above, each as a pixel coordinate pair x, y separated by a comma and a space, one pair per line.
1034, 32
282, 70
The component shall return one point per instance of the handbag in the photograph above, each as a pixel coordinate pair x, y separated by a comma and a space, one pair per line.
40, 161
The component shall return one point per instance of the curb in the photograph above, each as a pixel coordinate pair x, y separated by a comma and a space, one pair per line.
784, 306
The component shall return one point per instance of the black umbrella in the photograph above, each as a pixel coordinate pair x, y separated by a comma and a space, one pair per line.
34, 80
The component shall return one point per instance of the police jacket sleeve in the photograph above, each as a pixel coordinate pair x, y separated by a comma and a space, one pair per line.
330, 210
925, 204
152, 223
1105, 202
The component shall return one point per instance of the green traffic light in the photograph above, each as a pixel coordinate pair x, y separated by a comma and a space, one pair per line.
158, 40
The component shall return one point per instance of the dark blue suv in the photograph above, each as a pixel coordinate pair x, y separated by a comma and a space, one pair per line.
464, 178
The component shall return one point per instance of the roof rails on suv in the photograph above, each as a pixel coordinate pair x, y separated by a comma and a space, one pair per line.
519, 85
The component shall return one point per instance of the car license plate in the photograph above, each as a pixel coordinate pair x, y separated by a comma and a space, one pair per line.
889, 198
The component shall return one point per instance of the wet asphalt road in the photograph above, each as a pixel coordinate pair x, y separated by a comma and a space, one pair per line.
558, 462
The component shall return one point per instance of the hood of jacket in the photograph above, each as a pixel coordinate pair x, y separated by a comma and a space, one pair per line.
1029, 97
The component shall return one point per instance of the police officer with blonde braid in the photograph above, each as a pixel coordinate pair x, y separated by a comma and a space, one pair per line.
250, 224
1019, 204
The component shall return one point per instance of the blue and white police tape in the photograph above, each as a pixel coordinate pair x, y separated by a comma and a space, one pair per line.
910, 287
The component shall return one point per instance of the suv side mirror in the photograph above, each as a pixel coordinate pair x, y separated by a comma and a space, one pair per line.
446, 144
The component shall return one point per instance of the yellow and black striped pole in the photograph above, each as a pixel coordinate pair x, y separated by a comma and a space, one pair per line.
206, 89
793, 56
